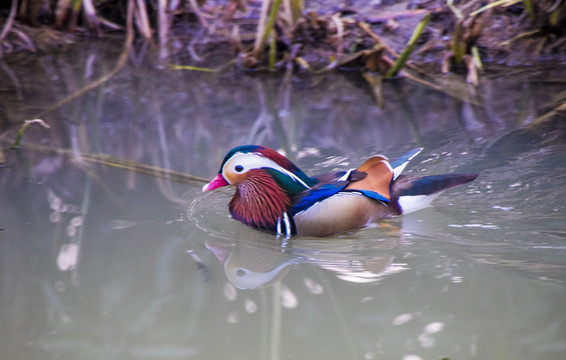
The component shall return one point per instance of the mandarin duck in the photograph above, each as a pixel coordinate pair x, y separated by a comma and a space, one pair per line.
273, 194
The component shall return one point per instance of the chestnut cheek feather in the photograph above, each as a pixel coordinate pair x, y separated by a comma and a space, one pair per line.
259, 201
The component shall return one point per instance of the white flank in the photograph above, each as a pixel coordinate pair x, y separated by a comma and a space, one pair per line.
414, 203
340, 200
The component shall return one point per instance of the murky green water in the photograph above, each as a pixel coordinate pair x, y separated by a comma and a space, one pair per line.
97, 262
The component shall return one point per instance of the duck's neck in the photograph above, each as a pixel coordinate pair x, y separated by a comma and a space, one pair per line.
259, 201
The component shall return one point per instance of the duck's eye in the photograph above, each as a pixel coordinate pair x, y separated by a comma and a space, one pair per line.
238, 168
241, 272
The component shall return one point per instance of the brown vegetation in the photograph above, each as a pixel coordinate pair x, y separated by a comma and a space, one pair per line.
272, 33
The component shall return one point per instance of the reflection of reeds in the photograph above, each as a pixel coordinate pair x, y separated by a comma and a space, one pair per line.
9, 22
119, 64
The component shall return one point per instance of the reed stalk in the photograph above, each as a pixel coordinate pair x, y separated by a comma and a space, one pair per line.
271, 21
261, 27
408, 49
458, 45
23, 128
272, 50
529, 8
264, 31
297, 7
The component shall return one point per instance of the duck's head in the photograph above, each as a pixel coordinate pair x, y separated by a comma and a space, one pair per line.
245, 163
266, 182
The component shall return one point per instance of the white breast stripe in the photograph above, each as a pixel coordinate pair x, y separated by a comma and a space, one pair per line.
287, 223
414, 203
278, 227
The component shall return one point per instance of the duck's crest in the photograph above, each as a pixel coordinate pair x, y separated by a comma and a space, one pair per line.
272, 155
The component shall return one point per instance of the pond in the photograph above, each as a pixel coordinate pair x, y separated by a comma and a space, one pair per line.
100, 262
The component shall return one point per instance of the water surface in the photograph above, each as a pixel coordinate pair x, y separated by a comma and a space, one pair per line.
98, 262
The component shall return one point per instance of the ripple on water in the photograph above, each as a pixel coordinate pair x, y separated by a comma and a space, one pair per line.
209, 212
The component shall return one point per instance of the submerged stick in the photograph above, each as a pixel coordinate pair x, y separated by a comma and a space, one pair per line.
135, 166
190, 67
128, 165
560, 109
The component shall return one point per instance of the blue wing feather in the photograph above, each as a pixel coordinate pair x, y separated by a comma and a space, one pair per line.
325, 191
431, 184
315, 195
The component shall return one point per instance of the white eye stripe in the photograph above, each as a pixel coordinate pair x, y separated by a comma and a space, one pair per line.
249, 161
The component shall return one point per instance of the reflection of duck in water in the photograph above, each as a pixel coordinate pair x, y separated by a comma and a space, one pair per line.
275, 195
259, 263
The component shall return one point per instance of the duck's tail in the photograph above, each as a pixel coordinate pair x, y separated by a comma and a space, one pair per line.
417, 193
